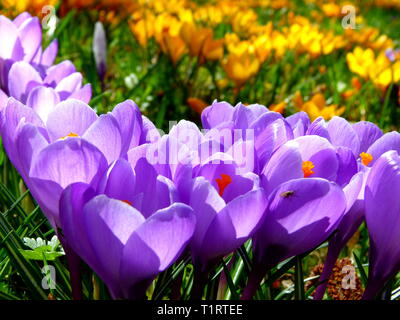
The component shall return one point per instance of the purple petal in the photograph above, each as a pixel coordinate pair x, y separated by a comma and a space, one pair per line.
69, 84
8, 38
321, 153
72, 221
160, 241
367, 133
119, 181
270, 132
130, 123
15, 115
43, 100
68, 161
382, 207
206, 202
22, 78
343, 135
299, 122
70, 116
110, 223
389, 141
233, 225
301, 215
244, 116
29, 142
56, 73
21, 18
30, 34
84, 94
49, 54
284, 165
104, 134
348, 166
319, 128
216, 114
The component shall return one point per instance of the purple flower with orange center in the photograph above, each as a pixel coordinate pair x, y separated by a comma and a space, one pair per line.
56, 146
128, 228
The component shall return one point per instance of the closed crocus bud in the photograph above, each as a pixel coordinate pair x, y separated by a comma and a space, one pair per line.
100, 49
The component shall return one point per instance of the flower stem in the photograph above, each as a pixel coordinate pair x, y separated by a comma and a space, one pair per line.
255, 278
74, 264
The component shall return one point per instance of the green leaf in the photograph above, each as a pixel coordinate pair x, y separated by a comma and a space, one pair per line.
363, 274
38, 254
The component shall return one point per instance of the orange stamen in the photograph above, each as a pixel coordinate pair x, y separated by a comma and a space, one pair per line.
71, 134
366, 158
128, 202
223, 182
307, 168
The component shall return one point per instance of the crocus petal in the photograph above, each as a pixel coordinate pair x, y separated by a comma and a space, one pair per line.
389, 141
72, 221
215, 166
14, 115
150, 133
130, 123
67, 161
299, 122
60, 164
382, 207
29, 142
321, 153
343, 135
84, 94
70, 116
21, 18
30, 33
49, 54
3, 101
353, 189
119, 181
58, 72
319, 128
244, 116
216, 114
22, 78
69, 84
240, 185
8, 37
367, 133
301, 215
104, 134
160, 241
110, 223
206, 202
151, 192
284, 165
270, 132
233, 225
348, 166
43, 100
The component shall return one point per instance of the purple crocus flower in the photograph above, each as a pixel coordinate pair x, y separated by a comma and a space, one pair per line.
24, 66
21, 40
109, 230
382, 207
229, 207
301, 214
65, 143
269, 129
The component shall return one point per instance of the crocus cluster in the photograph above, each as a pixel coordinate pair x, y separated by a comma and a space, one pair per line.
131, 201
